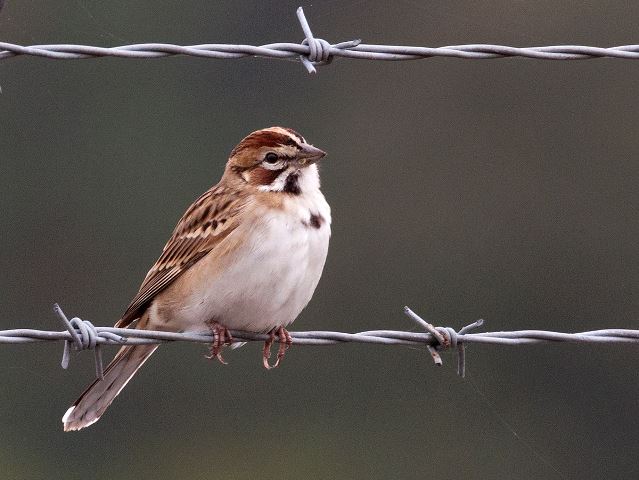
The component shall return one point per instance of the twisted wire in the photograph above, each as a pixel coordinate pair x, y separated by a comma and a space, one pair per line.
320, 337
314, 51
82, 334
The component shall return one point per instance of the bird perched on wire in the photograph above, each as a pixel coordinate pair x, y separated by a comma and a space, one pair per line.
246, 255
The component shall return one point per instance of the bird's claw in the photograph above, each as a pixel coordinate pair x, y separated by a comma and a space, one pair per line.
285, 341
221, 337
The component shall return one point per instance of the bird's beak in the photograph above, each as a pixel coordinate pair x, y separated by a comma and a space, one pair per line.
309, 154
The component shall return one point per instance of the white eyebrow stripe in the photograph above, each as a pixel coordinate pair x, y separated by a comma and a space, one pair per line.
290, 133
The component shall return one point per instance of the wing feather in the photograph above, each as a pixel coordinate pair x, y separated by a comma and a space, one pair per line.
208, 221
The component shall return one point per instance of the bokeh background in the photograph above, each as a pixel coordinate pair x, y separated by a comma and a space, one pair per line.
496, 189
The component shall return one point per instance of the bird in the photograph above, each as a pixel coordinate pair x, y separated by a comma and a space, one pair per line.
246, 255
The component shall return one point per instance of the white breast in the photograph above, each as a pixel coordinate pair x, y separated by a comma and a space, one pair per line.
271, 277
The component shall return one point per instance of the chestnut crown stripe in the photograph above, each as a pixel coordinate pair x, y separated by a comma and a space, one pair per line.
267, 138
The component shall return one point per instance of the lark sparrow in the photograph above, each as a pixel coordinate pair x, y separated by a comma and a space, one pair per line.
247, 255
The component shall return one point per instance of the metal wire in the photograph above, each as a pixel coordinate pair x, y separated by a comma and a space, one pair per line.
81, 335
316, 51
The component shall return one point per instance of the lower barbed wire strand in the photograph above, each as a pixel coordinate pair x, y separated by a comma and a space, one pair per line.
119, 336
83, 335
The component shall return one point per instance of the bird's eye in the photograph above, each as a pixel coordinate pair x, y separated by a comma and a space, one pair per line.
270, 157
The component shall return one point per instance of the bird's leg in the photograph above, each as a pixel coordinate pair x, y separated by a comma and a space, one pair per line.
221, 337
285, 341
266, 351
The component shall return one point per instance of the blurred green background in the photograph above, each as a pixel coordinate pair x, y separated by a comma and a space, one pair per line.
496, 189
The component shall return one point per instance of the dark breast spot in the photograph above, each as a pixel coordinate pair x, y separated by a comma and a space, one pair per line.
315, 221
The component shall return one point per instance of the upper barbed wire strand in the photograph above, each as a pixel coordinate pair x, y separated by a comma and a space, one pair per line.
316, 51
350, 49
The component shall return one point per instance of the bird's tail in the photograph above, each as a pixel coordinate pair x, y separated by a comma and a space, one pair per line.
94, 401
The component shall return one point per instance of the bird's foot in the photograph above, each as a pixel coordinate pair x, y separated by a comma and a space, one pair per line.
221, 337
285, 341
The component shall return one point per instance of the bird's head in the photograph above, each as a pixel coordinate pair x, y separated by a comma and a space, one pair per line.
276, 159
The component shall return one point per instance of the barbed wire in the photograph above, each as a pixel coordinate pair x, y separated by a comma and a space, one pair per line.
316, 51
82, 335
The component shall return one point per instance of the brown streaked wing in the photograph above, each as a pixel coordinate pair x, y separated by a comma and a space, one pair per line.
204, 225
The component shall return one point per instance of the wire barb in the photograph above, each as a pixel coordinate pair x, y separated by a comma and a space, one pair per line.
461, 348
85, 337
446, 338
319, 50
430, 329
